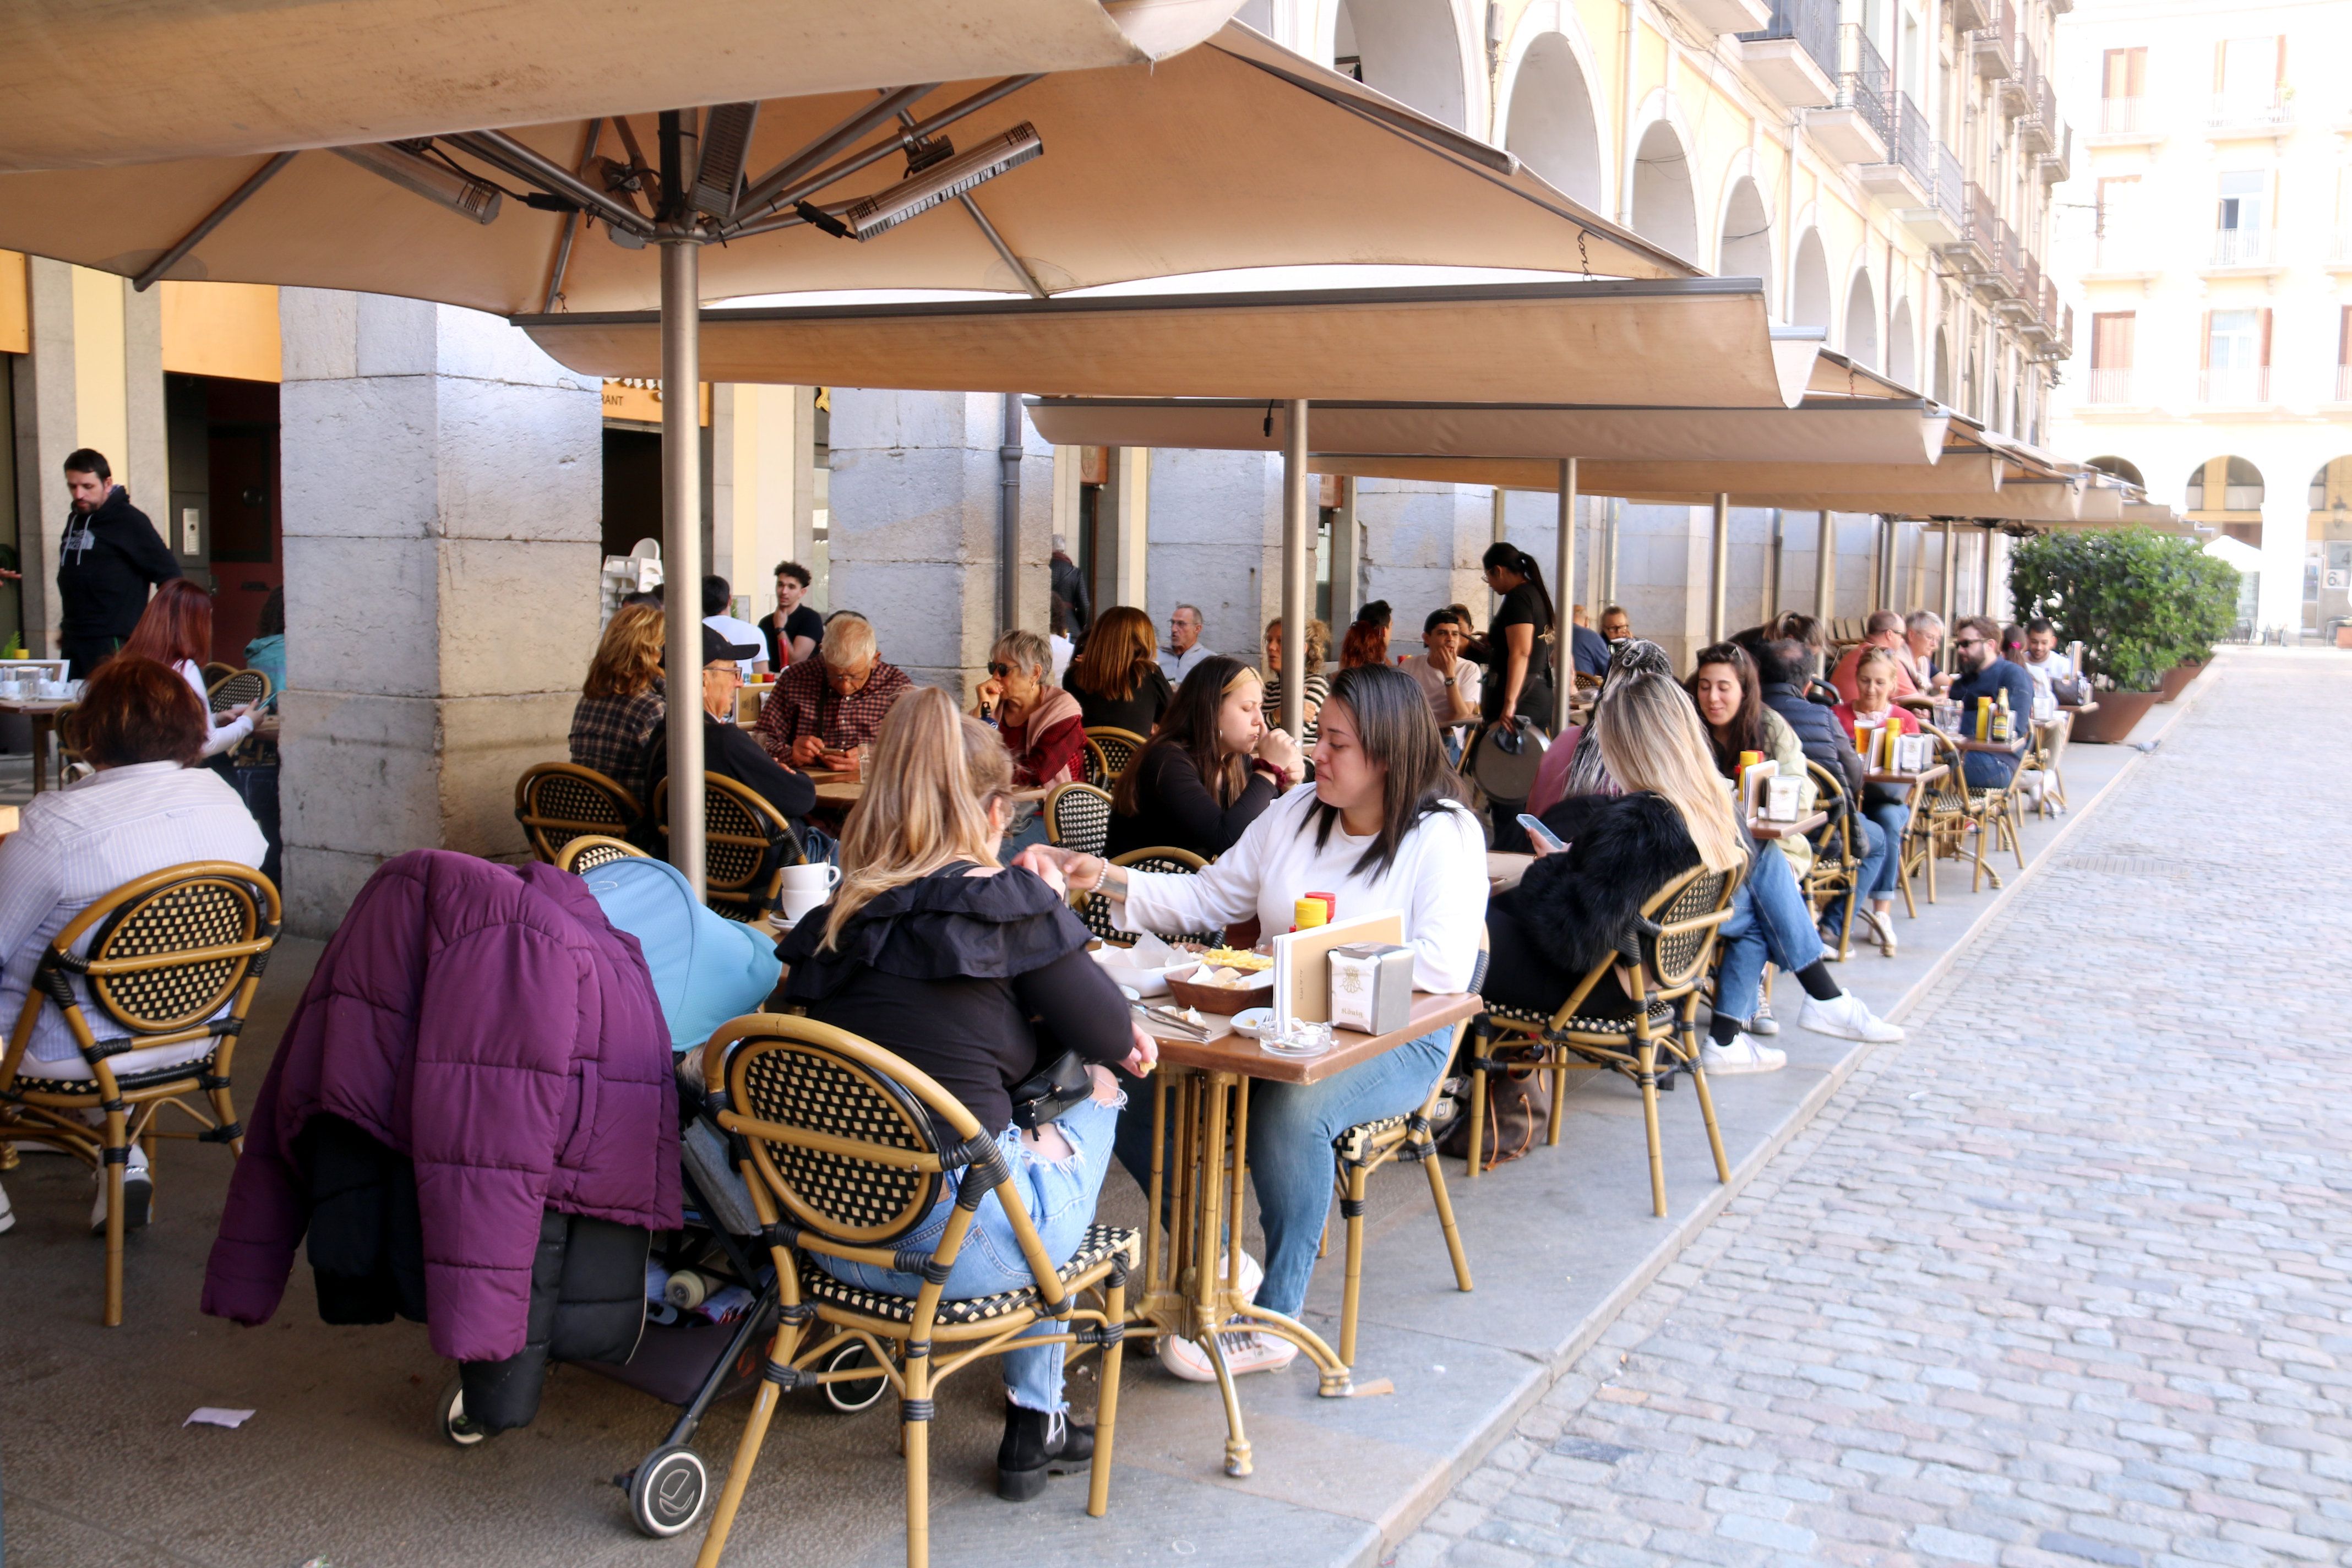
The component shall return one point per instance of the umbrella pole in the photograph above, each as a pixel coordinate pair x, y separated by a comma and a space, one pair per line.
1719, 569
1825, 572
1951, 592
1563, 684
681, 328
1984, 584
1297, 572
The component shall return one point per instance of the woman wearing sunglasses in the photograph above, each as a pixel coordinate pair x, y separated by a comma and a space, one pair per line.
1041, 723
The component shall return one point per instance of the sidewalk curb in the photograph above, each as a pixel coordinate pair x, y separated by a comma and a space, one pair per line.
1588, 1330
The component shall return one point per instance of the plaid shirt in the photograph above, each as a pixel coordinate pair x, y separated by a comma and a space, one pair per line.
804, 704
608, 734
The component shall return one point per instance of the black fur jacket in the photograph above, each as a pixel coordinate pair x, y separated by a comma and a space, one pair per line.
1573, 909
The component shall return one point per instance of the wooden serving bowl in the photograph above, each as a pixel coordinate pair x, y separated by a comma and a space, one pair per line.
1227, 1000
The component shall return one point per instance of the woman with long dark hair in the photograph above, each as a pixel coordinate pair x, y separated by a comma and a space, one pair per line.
1382, 829
1211, 771
175, 630
1517, 686
1729, 695
1117, 676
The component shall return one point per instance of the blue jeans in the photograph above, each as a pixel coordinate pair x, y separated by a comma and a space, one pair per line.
1059, 1196
1987, 769
1291, 1126
1874, 845
1769, 920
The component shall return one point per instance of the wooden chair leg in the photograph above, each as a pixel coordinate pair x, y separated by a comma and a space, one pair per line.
1477, 1117
747, 1458
1648, 1056
1352, 1294
1107, 1401
1437, 1196
1558, 1070
1706, 1113
116, 1158
915, 1438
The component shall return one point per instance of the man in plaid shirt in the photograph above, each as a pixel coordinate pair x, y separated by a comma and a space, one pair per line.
833, 703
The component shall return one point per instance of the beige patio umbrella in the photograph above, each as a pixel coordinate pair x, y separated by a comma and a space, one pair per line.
1237, 153
136, 82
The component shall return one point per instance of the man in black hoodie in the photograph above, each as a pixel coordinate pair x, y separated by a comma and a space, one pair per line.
111, 557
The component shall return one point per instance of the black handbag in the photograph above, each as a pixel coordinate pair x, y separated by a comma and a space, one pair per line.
1061, 1085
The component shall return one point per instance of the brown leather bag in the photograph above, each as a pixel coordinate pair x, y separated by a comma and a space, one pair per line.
1518, 1110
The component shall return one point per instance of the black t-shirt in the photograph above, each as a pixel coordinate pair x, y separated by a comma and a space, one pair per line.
803, 622
1136, 714
727, 751
948, 971
1522, 607
1175, 807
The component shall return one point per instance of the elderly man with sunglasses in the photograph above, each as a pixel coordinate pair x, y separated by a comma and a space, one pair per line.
825, 707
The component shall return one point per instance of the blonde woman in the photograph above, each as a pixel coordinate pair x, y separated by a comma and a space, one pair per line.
1574, 906
623, 699
933, 949
1317, 688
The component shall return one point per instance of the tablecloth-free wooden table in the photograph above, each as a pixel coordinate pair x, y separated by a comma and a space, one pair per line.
43, 713
1201, 1092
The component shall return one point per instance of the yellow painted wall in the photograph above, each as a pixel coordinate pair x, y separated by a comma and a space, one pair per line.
16, 307
222, 329
99, 388
1649, 60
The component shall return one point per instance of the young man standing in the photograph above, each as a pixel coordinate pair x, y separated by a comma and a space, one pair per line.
110, 558
794, 631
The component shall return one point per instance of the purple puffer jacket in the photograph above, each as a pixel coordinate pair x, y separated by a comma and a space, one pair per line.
486, 1022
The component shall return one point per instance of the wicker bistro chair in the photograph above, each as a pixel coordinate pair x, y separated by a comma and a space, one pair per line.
557, 802
1109, 751
240, 686
1837, 866
1408, 1139
842, 1145
746, 845
1954, 810
1077, 817
1094, 912
1675, 939
216, 672
172, 957
2044, 757
591, 850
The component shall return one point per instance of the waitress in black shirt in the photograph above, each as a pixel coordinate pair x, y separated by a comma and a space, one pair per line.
1516, 682
932, 950
1117, 676
1209, 773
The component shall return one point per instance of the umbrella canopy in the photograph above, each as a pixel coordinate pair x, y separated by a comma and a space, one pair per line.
1818, 430
137, 81
1234, 154
1694, 341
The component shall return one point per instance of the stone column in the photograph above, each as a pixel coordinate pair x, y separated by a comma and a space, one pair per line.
1423, 543
915, 497
1216, 544
442, 495
763, 486
48, 427
1122, 528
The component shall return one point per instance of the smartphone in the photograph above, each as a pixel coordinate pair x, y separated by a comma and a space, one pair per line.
1544, 842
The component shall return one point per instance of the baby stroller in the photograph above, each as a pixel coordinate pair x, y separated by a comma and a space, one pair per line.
686, 1358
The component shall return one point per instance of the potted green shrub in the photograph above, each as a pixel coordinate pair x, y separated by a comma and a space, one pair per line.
2140, 602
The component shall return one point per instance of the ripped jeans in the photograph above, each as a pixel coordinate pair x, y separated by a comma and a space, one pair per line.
1059, 1197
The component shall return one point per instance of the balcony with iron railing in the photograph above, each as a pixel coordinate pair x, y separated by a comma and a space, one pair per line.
2014, 92
2339, 251
2344, 384
2251, 114
2238, 385
2037, 128
1859, 122
1994, 45
2057, 166
1795, 56
2109, 385
2244, 250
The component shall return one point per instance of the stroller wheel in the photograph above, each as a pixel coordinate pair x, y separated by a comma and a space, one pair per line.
667, 1491
449, 1414
852, 1395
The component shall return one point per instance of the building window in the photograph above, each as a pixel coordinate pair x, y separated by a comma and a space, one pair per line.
2237, 357
2241, 230
2122, 88
2111, 356
2119, 222
2344, 353
2250, 84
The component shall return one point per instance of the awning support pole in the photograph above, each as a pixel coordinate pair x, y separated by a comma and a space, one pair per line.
1825, 572
1008, 518
1563, 683
1772, 566
1297, 571
682, 353
1952, 605
1984, 588
1719, 569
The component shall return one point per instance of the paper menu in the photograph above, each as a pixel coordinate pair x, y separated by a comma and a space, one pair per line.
1302, 970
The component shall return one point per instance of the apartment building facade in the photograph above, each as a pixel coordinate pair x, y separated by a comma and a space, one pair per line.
2206, 240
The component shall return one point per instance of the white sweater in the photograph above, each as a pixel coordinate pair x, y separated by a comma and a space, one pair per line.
1438, 881
222, 737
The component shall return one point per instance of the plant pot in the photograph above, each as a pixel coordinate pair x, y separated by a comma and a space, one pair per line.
2111, 723
2175, 681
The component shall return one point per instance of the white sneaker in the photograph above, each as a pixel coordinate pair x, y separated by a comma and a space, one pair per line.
138, 1194
1743, 1055
1252, 1275
1882, 930
1246, 1351
7, 1214
1763, 1023
1849, 1019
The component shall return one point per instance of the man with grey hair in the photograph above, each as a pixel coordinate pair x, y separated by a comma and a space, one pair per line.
825, 707
1070, 586
1184, 648
1884, 629
1923, 634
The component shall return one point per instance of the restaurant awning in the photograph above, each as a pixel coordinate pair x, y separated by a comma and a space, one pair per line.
1695, 342
133, 81
1234, 154
1817, 430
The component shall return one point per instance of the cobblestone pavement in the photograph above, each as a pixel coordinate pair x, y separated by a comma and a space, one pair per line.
2060, 1282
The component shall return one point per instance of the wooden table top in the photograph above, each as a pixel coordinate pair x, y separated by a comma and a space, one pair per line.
36, 705
1759, 829
1925, 775
2073, 708
2004, 748
837, 789
1239, 1054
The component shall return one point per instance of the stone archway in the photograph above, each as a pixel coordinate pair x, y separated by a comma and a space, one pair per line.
1862, 321
2226, 492
1941, 389
2123, 468
1666, 210
1744, 248
2327, 575
1809, 284
1552, 127
1409, 49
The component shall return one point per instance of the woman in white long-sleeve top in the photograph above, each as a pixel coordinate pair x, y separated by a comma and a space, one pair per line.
175, 630
1382, 829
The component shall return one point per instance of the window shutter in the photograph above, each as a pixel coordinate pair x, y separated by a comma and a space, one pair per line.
2205, 334
2266, 360
2220, 67
2280, 79
2344, 335
2126, 330
2136, 64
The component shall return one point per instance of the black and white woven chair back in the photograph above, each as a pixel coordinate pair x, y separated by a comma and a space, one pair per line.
557, 802
1109, 751
1177, 862
156, 963
240, 686
1833, 837
802, 1087
1685, 936
1077, 817
590, 851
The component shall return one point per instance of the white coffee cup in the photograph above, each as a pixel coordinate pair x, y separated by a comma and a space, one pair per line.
820, 878
800, 904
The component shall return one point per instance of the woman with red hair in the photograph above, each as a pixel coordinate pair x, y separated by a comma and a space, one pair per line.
175, 630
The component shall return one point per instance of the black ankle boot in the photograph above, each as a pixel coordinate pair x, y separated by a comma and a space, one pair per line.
1035, 1446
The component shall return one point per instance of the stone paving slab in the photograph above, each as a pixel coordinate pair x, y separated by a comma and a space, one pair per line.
342, 1460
